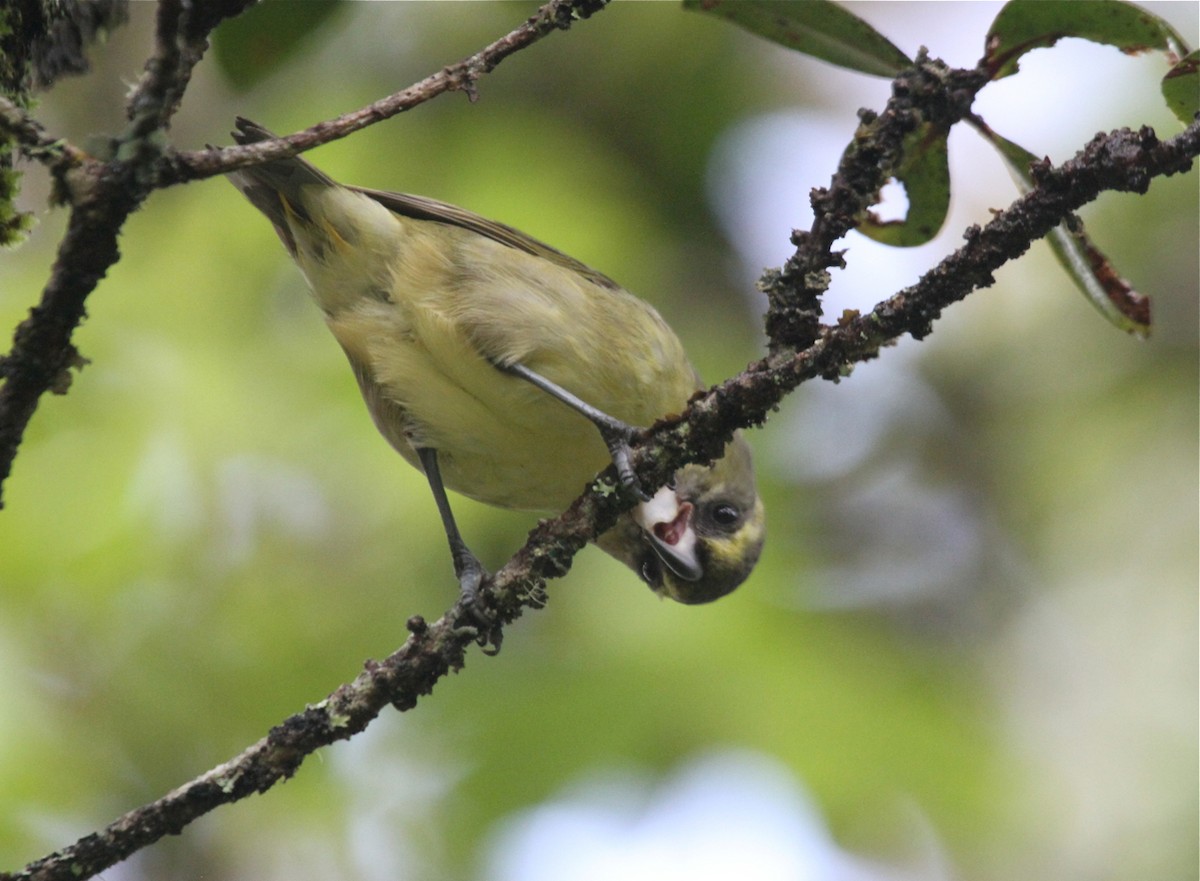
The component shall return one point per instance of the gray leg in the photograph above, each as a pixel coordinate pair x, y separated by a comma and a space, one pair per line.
616, 434
467, 567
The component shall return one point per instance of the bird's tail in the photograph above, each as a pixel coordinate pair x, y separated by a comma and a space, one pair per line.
343, 240
274, 187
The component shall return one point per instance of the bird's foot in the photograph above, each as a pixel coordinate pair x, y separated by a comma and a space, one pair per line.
617, 436
475, 619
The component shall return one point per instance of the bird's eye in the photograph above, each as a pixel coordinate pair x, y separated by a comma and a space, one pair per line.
726, 515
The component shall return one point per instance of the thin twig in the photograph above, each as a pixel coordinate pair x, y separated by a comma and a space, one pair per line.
180, 40
557, 15
32, 140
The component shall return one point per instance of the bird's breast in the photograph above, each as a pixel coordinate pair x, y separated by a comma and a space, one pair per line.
499, 439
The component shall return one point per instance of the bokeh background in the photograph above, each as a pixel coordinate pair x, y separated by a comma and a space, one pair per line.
969, 651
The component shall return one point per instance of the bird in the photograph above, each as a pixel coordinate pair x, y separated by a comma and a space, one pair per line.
508, 371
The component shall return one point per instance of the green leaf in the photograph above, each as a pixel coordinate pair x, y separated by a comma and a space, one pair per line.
1181, 88
818, 28
251, 47
1087, 265
925, 174
1023, 25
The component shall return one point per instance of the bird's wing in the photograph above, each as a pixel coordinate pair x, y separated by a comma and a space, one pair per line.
286, 175
422, 208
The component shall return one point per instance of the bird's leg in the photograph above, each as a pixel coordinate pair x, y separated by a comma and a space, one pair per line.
467, 568
616, 434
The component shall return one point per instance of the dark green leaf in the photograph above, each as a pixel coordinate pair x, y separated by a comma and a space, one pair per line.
1181, 88
1086, 264
925, 174
818, 28
1023, 25
251, 47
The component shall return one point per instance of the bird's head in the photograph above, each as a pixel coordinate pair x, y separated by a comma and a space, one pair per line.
699, 537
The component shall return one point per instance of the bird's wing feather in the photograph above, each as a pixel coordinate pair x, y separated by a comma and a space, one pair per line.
287, 175
423, 208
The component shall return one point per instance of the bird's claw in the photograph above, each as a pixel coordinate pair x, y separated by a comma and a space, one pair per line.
475, 620
618, 447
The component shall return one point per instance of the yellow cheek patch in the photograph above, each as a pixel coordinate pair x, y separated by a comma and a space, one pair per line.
741, 549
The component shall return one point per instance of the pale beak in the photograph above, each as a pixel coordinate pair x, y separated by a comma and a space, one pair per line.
667, 524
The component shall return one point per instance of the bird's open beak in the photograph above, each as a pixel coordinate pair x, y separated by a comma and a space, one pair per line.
667, 524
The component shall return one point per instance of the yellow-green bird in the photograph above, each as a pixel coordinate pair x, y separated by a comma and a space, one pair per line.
508, 371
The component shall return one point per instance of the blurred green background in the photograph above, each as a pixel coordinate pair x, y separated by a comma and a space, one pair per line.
969, 650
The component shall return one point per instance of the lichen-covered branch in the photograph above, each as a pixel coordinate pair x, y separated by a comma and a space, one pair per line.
1121, 161
557, 15
102, 192
928, 92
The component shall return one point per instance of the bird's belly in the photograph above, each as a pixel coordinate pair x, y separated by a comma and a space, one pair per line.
543, 473
505, 443
499, 439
